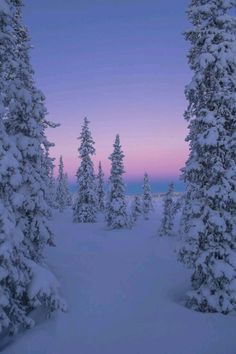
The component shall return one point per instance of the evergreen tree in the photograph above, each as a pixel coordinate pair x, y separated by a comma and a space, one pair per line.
178, 205
69, 198
26, 123
116, 208
24, 229
210, 172
62, 194
85, 205
13, 309
136, 209
51, 197
167, 222
100, 188
184, 224
147, 197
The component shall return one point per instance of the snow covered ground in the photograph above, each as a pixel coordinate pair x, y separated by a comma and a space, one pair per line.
125, 294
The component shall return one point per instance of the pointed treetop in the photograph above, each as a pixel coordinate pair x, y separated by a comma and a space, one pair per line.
117, 147
171, 186
146, 177
100, 170
87, 143
146, 183
85, 125
117, 141
61, 167
117, 157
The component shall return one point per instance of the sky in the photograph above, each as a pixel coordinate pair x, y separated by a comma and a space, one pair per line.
123, 64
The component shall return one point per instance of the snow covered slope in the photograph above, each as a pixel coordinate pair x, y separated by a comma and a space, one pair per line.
125, 295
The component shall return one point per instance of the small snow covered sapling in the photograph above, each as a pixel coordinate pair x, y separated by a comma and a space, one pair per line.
136, 209
116, 208
69, 197
52, 187
167, 222
85, 203
100, 188
62, 192
147, 204
178, 203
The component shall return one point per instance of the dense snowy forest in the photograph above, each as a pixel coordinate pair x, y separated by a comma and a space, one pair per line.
101, 271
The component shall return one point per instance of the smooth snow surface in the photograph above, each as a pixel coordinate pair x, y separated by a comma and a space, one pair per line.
125, 294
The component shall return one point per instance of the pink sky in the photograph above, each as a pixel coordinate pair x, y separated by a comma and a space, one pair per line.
125, 68
154, 144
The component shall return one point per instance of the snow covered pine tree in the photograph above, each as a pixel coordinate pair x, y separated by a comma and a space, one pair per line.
116, 208
136, 209
13, 310
100, 188
85, 205
210, 172
11, 288
62, 194
167, 222
51, 197
24, 229
69, 197
147, 197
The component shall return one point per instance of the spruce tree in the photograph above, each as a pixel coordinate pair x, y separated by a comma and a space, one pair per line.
116, 208
147, 197
183, 225
62, 193
136, 209
27, 124
23, 198
13, 309
51, 197
69, 198
210, 171
179, 202
167, 222
100, 189
85, 205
